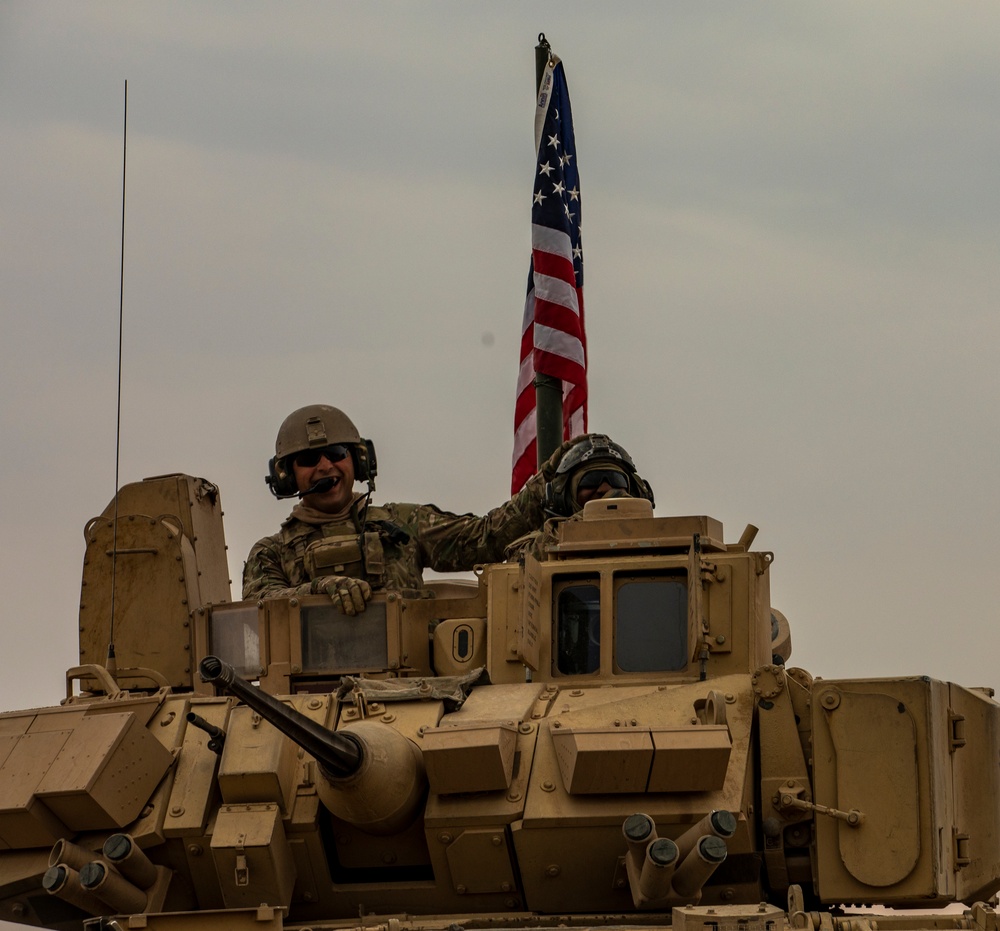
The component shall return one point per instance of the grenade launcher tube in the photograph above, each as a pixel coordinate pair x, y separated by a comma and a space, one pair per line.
339, 754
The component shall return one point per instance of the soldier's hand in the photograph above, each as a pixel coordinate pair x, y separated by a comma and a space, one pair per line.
347, 594
550, 465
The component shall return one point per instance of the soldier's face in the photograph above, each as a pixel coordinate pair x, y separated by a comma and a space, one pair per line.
342, 474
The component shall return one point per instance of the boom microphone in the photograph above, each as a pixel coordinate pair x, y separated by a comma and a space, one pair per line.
324, 484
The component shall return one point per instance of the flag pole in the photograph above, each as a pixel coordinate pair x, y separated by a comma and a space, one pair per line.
548, 390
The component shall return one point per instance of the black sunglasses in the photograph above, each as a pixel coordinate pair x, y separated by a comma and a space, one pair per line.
597, 477
311, 457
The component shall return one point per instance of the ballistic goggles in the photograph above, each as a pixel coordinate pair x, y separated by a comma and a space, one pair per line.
597, 477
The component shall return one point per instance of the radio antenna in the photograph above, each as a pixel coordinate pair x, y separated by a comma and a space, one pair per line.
112, 663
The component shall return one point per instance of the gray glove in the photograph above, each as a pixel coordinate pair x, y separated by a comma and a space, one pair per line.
347, 594
548, 469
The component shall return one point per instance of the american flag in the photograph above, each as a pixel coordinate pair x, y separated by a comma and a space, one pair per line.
553, 340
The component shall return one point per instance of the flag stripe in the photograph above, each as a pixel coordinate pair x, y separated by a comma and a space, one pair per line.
559, 343
555, 291
552, 241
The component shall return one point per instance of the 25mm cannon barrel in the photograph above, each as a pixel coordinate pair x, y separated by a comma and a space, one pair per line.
339, 755
373, 776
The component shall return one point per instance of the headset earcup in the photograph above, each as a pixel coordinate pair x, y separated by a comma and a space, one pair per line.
281, 483
372, 460
365, 464
647, 490
360, 464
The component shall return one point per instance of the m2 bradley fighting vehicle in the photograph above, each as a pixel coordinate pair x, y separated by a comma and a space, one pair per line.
604, 733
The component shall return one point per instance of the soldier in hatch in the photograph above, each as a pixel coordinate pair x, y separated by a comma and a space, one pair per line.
338, 543
595, 467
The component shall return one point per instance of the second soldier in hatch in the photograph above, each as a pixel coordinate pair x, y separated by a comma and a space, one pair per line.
337, 542
594, 468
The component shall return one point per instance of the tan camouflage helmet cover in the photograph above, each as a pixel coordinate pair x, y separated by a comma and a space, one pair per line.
312, 426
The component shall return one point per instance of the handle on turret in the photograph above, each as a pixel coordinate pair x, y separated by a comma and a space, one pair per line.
339, 755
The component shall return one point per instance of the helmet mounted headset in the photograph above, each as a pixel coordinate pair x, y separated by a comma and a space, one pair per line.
318, 428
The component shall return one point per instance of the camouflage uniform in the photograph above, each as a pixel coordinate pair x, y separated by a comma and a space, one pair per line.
277, 566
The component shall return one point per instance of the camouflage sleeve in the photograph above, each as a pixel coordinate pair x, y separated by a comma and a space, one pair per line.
457, 542
264, 574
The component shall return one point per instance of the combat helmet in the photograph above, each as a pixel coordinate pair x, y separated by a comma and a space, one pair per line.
593, 451
313, 427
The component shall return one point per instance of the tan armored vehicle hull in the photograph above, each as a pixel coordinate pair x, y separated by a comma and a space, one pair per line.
604, 733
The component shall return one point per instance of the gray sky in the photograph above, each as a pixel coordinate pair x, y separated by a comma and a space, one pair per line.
791, 232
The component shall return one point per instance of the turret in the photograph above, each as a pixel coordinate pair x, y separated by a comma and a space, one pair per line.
372, 776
